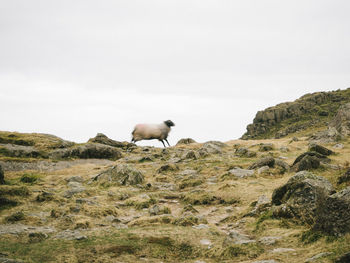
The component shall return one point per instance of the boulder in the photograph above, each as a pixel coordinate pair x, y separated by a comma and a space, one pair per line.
103, 139
121, 174
320, 149
211, 148
345, 177
265, 147
285, 166
266, 161
237, 238
341, 121
241, 173
244, 152
307, 163
20, 151
190, 155
333, 215
2, 177
185, 141
301, 196
88, 151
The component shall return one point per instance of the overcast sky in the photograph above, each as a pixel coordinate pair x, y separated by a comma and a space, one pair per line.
75, 68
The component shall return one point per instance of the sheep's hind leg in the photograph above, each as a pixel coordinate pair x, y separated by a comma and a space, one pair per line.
163, 143
167, 142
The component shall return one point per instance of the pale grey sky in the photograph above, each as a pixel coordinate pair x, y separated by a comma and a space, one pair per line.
75, 68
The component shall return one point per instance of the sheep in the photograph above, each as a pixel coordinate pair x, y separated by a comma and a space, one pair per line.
152, 131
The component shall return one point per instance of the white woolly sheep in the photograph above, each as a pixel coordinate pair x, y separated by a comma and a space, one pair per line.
152, 131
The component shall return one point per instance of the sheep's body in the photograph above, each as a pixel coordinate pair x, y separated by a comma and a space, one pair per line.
152, 131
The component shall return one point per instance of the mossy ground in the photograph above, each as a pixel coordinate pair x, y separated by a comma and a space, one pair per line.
118, 226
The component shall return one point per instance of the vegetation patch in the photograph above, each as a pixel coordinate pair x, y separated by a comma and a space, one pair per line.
18, 216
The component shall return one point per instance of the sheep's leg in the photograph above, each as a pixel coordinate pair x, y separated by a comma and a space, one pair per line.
163, 143
167, 142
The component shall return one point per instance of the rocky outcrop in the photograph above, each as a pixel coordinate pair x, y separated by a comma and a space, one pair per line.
103, 139
333, 215
308, 161
121, 174
88, 151
341, 121
20, 151
301, 197
290, 117
185, 141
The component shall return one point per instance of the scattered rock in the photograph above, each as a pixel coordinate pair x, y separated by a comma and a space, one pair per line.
284, 149
266, 161
318, 256
190, 155
75, 179
237, 238
8, 260
244, 152
300, 196
200, 226
265, 147
241, 173
185, 141
262, 204
154, 210
309, 160
339, 146
122, 174
282, 250
333, 214
285, 166
75, 188
170, 167
20, 151
70, 235
205, 242
210, 148
320, 149
269, 241
263, 169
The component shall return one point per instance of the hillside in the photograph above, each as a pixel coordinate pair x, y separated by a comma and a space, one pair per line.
211, 202
306, 115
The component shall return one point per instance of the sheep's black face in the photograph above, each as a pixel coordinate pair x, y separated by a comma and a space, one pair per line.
169, 123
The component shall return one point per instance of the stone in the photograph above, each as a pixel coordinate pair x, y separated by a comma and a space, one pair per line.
282, 250
318, 256
237, 238
21, 151
185, 141
265, 147
339, 146
121, 174
333, 215
307, 162
266, 161
262, 204
301, 196
154, 210
345, 177
190, 155
284, 149
241, 173
263, 169
341, 121
344, 258
75, 188
205, 242
103, 139
210, 148
269, 241
170, 167
88, 151
8, 260
200, 226
285, 166
2, 177
320, 149
75, 179
244, 152
266, 261
70, 235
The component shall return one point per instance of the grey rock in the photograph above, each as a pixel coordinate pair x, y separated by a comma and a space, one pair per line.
170, 167
333, 215
88, 151
103, 139
16, 229
318, 256
210, 148
320, 149
301, 196
185, 141
238, 238
262, 204
345, 177
20, 151
284, 149
269, 161
8, 260
241, 173
265, 147
285, 166
263, 169
339, 146
308, 162
154, 210
282, 250
190, 155
244, 152
75, 179
200, 226
269, 241
341, 121
122, 174
70, 235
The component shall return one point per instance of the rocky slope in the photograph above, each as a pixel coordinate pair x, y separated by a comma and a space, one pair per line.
309, 113
280, 200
